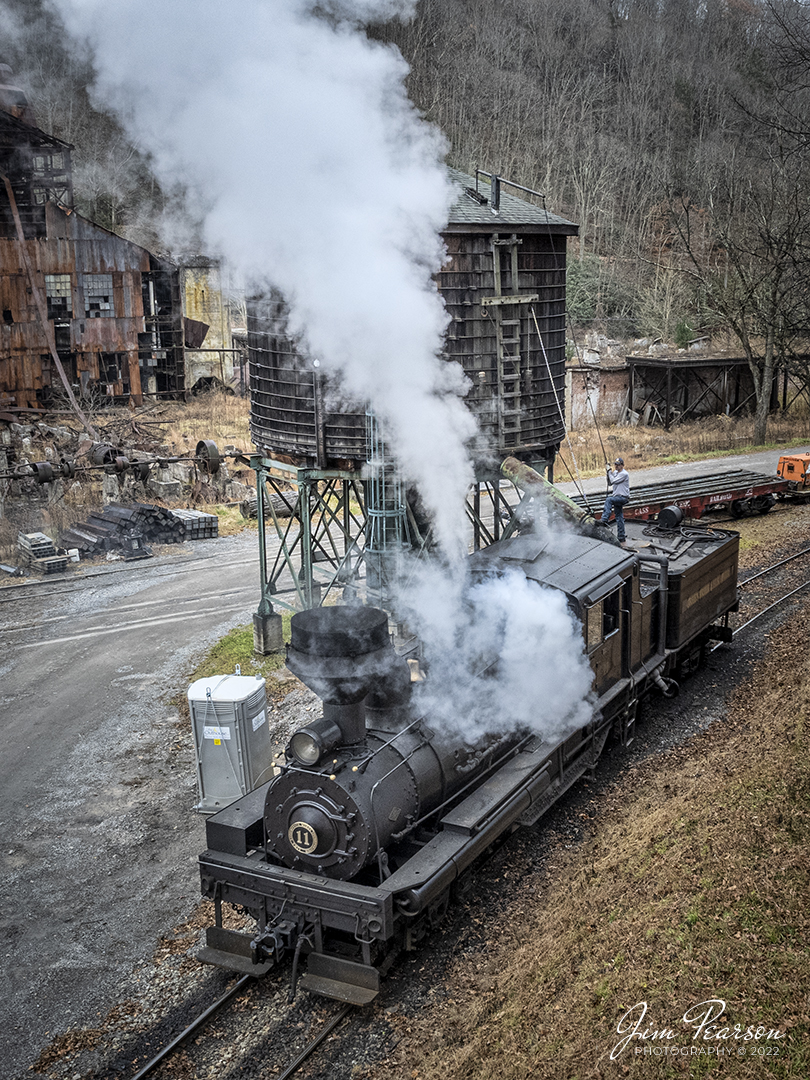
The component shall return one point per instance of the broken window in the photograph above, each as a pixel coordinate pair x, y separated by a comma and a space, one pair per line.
98, 296
110, 367
60, 301
50, 178
45, 163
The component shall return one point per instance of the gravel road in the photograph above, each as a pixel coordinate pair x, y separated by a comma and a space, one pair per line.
98, 780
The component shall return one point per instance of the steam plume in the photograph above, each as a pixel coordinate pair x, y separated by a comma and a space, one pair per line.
296, 133
503, 652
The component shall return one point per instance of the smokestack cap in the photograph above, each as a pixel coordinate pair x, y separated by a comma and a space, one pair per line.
339, 631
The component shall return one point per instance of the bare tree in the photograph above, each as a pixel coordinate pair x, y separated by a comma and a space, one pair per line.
745, 250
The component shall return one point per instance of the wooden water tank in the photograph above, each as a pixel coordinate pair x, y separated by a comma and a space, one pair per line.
504, 288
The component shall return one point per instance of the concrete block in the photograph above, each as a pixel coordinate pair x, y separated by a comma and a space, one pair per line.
267, 635
167, 490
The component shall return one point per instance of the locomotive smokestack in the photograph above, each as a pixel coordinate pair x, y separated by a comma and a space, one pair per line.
345, 655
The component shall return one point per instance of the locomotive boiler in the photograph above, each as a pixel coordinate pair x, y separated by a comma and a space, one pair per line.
360, 776
354, 850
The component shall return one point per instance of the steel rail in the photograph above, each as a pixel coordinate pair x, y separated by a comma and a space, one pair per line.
294, 1066
193, 1026
775, 566
776, 603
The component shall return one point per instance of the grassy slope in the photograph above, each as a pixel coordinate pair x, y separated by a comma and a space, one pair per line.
695, 886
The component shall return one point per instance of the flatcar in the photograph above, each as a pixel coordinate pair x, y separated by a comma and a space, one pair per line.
354, 850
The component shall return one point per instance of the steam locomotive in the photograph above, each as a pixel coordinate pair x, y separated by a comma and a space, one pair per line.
354, 850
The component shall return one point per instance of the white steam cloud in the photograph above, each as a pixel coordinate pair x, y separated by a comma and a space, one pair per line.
318, 174
505, 652
296, 136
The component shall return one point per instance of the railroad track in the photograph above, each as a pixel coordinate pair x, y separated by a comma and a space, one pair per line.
275, 1031
749, 581
775, 566
195, 1025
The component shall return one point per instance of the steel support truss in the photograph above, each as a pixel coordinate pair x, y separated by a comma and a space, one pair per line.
331, 540
320, 544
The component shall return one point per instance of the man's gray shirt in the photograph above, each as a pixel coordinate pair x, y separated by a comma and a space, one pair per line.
620, 482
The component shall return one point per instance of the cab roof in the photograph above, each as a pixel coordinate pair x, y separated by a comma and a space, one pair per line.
580, 566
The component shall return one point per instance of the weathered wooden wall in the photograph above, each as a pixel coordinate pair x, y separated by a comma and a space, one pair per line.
468, 282
98, 350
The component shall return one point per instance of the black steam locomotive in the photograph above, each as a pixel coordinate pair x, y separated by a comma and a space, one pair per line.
353, 851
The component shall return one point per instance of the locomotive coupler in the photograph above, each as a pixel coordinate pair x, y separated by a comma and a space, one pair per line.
273, 942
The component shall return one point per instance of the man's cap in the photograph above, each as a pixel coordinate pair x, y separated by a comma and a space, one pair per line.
619, 461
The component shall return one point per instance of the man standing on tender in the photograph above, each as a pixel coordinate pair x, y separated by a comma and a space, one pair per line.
614, 504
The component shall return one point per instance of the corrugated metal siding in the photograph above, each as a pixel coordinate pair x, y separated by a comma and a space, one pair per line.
77, 247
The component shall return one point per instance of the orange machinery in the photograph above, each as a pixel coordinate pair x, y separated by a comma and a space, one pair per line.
795, 467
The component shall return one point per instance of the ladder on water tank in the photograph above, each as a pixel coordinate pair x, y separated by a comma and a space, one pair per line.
509, 359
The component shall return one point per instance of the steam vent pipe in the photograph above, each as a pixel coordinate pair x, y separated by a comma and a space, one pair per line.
532, 484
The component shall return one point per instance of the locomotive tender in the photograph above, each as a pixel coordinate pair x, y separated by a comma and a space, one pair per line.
352, 852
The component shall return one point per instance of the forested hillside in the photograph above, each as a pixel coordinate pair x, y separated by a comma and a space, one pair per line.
675, 132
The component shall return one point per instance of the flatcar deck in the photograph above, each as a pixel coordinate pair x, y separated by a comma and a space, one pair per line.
695, 495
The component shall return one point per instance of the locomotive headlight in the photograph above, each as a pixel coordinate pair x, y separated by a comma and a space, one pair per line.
310, 743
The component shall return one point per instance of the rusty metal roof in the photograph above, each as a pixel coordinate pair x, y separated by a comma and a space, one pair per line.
469, 210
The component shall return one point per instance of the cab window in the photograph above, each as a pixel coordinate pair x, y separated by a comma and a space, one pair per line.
610, 614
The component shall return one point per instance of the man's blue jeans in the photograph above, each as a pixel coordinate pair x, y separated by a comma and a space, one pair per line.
614, 504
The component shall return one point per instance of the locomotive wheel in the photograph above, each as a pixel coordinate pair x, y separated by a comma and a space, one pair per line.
102, 454
43, 472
